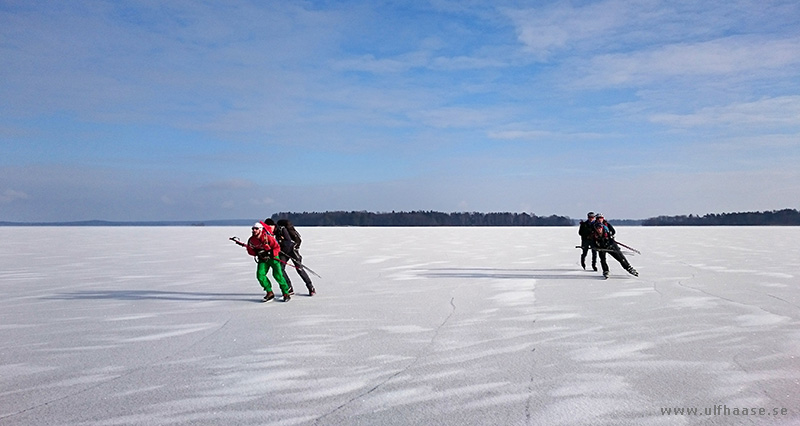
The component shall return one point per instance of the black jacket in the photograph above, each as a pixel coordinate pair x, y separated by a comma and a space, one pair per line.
585, 229
287, 235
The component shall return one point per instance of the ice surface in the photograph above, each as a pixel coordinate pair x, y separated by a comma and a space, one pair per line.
445, 326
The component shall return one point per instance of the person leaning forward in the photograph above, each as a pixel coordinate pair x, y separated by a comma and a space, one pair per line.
272, 229
290, 241
603, 242
265, 249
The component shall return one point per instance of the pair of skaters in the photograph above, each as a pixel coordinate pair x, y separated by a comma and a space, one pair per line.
598, 235
274, 246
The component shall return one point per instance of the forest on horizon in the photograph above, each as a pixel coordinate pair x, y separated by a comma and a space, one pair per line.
785, 217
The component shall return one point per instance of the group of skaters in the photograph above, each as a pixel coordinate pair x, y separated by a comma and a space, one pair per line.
597, 235
273, 245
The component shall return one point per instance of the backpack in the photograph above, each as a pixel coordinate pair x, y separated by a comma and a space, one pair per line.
293, 234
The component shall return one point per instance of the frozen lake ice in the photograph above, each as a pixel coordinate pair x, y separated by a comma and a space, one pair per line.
446, 326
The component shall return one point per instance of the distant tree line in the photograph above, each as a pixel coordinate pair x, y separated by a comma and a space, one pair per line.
420, 218
786, 217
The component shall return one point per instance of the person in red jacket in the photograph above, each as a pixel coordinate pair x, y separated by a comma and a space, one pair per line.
265, 248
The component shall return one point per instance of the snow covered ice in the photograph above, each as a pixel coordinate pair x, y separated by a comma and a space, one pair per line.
446, 326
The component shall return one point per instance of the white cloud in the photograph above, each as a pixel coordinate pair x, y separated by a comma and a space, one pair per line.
541, 135
620, 25
230, 185
11, 195
460, 117
768, 112
266, 201
543, 32
417, 59
369, 63
467, 63
739, 57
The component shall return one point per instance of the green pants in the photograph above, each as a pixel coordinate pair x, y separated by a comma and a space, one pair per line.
277, 273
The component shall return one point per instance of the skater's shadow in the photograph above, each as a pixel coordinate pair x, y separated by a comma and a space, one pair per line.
156, 295
497, 273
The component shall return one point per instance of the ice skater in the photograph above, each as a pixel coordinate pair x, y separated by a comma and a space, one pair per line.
265, 249
604, 243
586, 231
290, 241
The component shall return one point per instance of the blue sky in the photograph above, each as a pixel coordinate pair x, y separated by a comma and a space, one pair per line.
189, 110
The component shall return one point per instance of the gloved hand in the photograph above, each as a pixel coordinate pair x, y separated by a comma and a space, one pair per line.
263, 255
